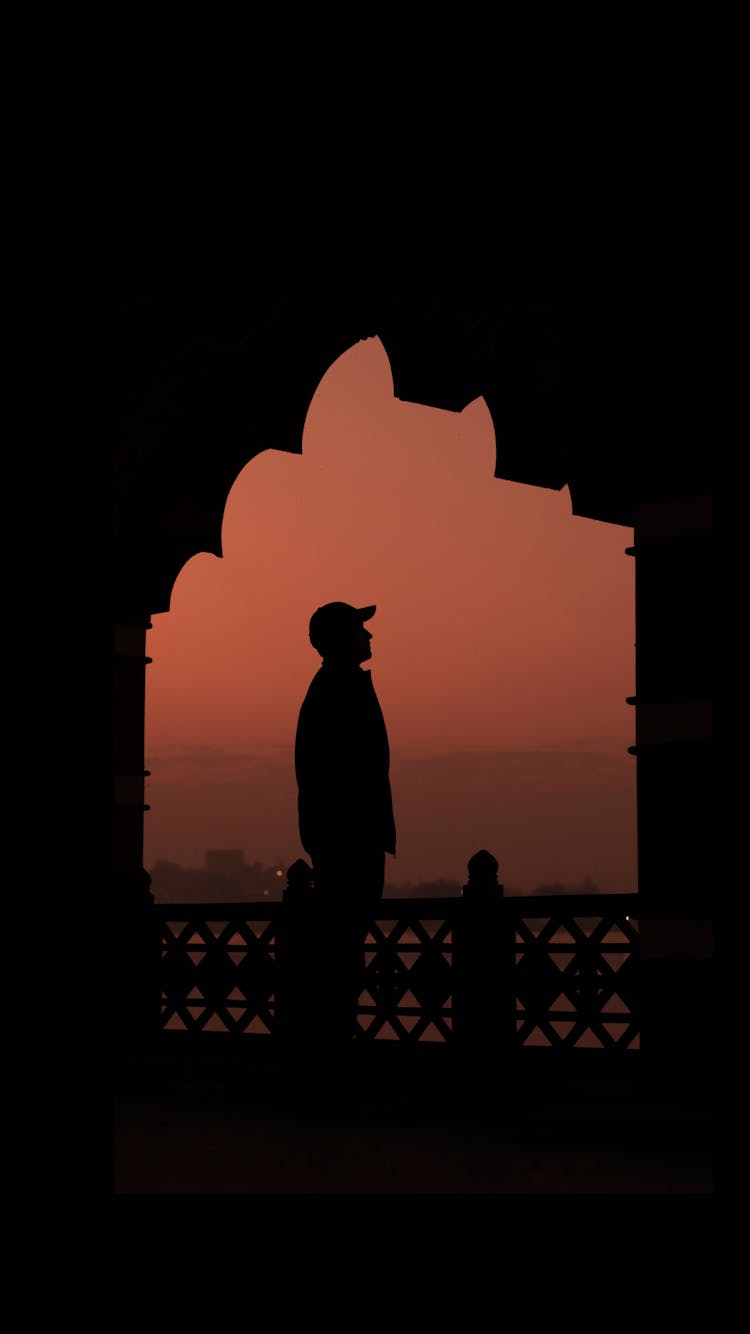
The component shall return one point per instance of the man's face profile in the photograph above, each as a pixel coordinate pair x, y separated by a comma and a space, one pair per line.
339, 634
350, 644
363, 648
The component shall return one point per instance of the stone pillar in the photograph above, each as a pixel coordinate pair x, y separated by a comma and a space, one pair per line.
136, 998
295, 964
675, 755
483, 964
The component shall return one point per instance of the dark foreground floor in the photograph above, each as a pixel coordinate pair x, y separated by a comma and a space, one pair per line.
241, 1122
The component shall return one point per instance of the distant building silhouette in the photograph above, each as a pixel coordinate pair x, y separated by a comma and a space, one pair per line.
225, 861
587, 886
224, 877
440, 888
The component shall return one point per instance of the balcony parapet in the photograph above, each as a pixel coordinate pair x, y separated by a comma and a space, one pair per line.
483, 975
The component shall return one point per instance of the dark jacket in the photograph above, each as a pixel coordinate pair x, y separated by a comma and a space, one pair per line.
341, 761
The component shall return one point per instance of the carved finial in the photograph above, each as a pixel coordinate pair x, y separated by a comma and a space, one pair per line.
483, 882
299, 883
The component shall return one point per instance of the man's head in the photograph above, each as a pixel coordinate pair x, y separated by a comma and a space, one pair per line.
337, 631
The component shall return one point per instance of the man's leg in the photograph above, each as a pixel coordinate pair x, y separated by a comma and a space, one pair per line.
370, 881
348, 886
331, 1016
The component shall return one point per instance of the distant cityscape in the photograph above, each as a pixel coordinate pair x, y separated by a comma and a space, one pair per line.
226, 876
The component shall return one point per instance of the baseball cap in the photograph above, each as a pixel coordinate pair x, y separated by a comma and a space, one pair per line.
333, 619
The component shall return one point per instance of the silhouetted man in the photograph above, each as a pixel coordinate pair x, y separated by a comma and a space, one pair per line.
345, 808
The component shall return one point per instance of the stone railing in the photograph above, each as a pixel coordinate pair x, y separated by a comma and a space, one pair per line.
482, 972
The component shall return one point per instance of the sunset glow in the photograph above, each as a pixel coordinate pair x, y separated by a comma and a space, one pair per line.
502, 649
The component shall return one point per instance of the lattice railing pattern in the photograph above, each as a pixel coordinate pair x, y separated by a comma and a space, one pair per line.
573, 964
408, 991
218, 968
575, 974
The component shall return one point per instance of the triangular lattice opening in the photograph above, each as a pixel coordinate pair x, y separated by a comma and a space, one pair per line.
366, 1021
615, 1030
537, 1038
561, 936
215, 1025
431, 1034
408, 1021
215, 928
615, 961
238, 939
257, 929
388, 1033
616, 936
589, 1039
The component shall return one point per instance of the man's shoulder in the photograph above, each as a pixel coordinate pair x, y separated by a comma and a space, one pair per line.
338, 680
338, 692
320, 690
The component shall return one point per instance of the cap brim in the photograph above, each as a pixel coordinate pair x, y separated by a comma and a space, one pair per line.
366, 613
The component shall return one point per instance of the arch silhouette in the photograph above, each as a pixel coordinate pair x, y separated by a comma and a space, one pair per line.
424, 453
204, 386
611, 396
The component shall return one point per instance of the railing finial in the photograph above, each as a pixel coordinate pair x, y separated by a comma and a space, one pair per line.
299, 883
483, 882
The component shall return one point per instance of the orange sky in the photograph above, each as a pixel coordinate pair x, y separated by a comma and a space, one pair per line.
502, 649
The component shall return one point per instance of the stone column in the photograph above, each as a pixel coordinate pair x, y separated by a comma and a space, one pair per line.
136, 998
483, 964
295, 964
674, 753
